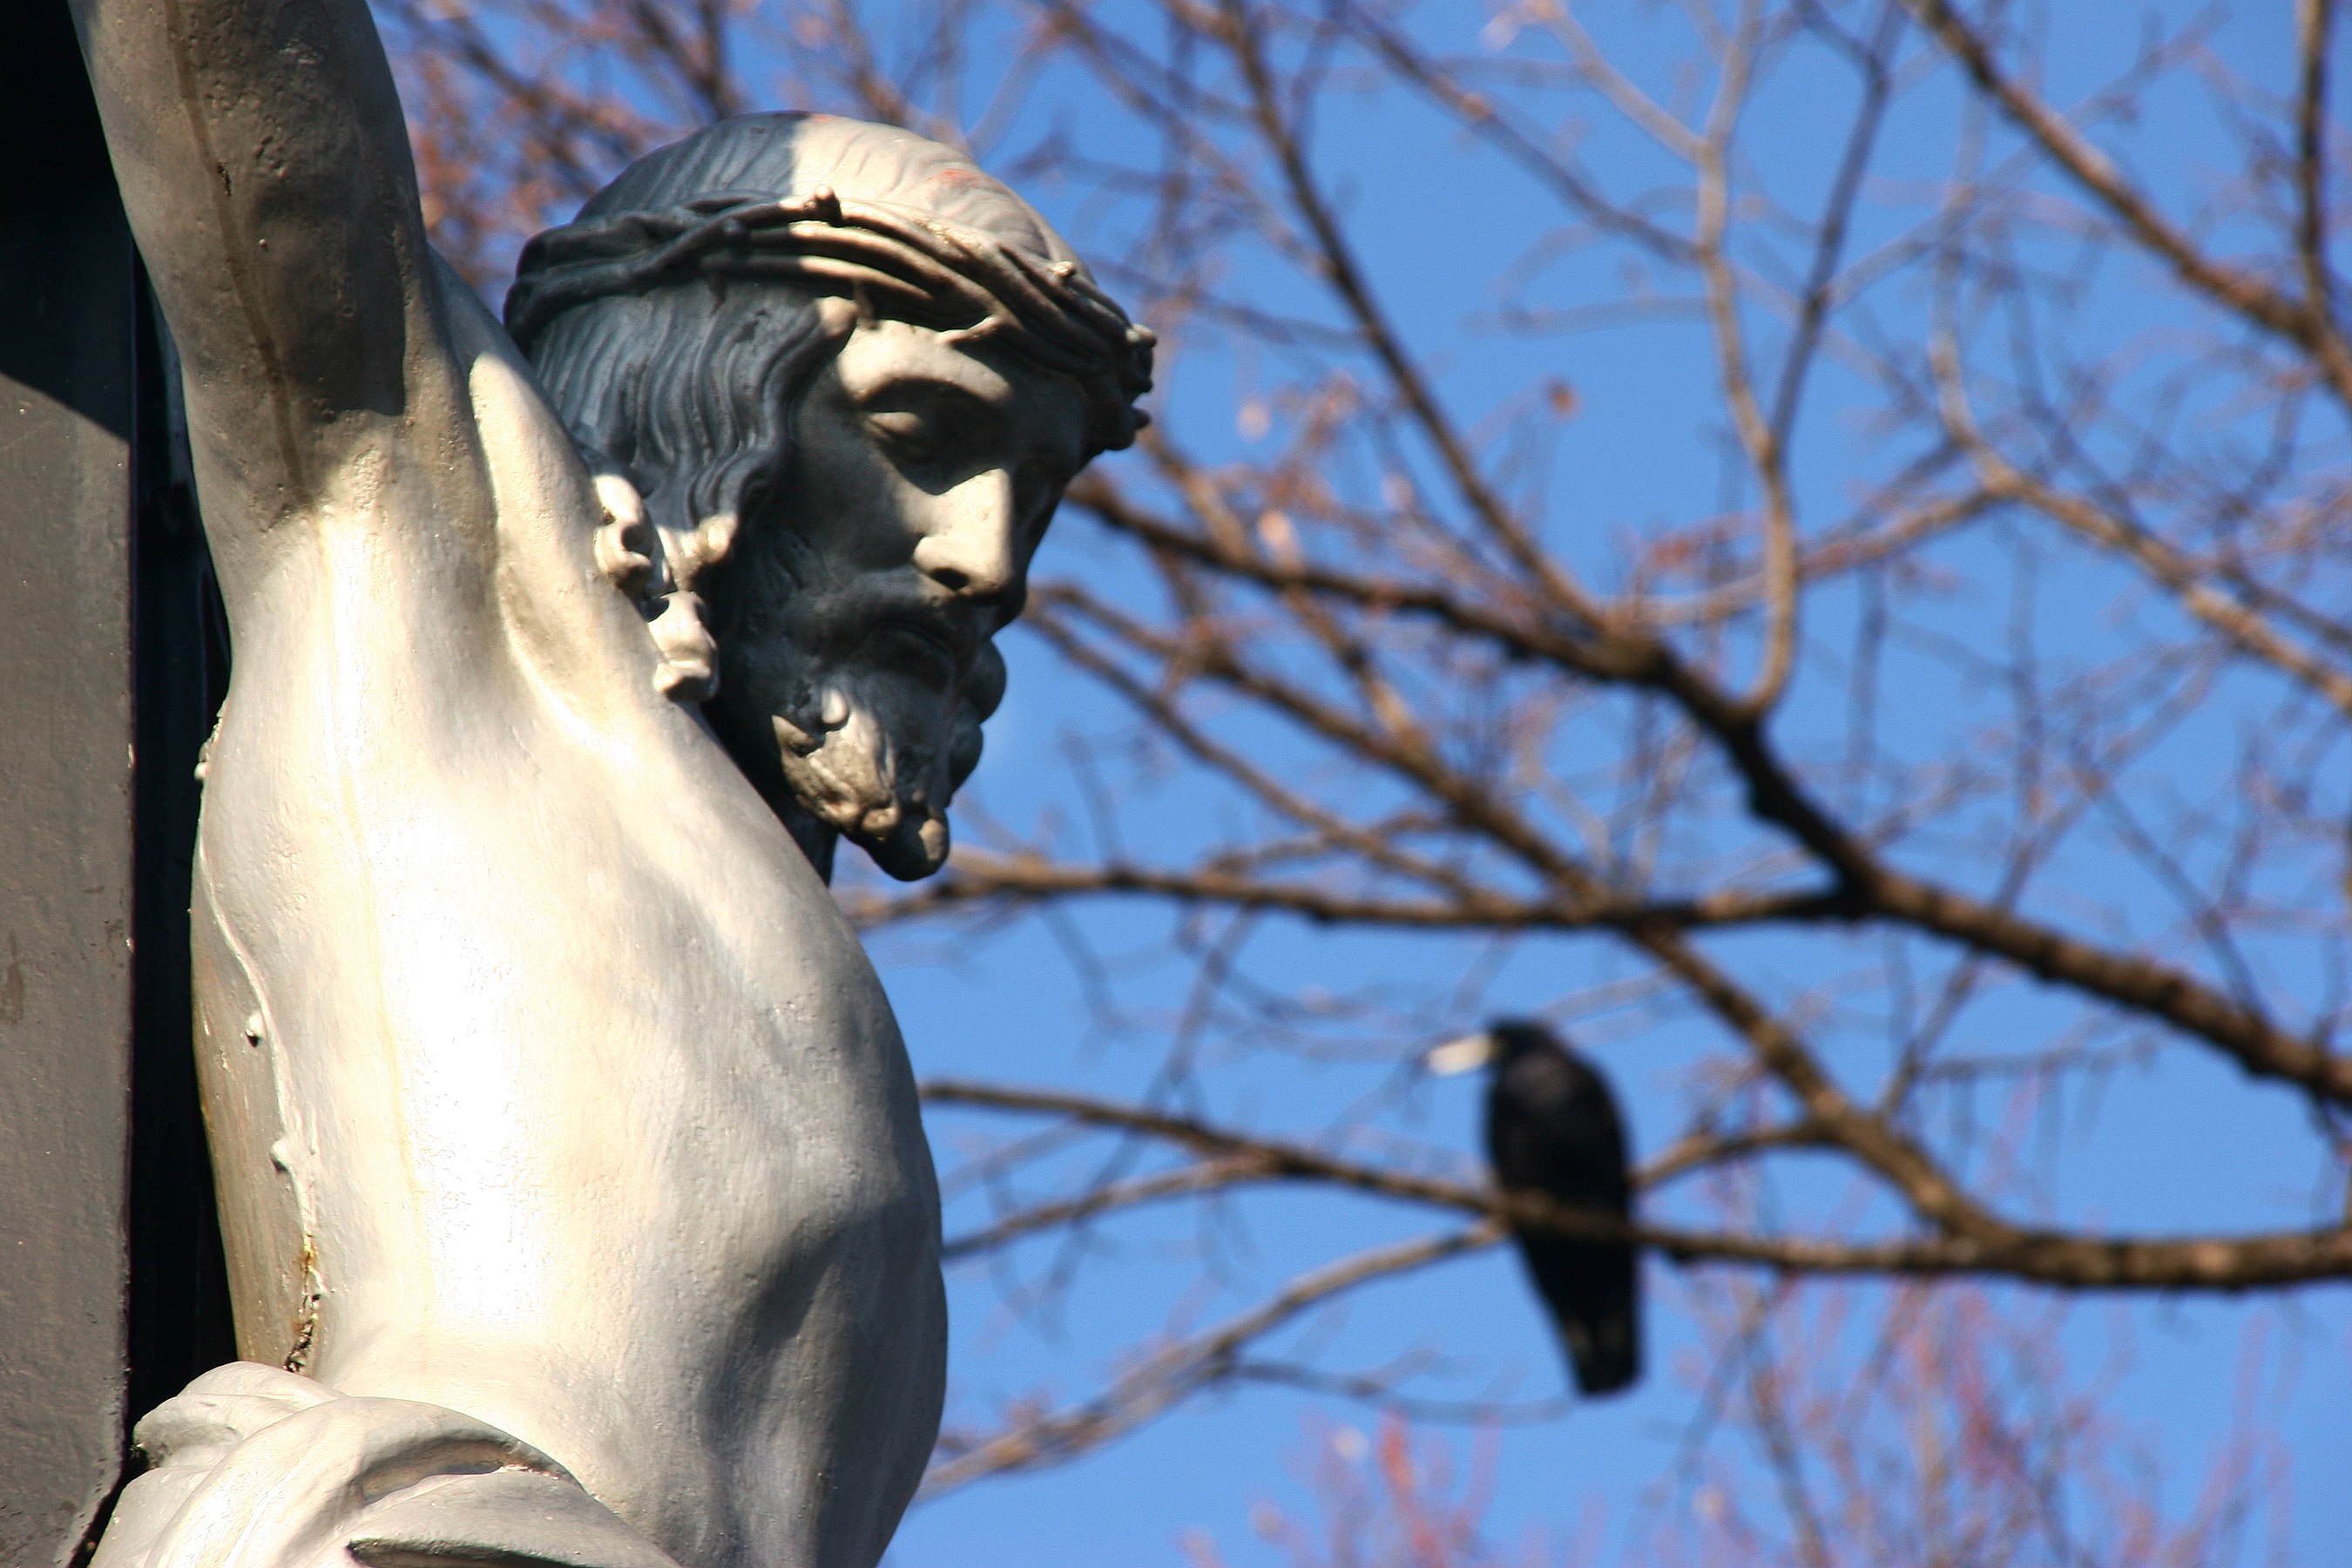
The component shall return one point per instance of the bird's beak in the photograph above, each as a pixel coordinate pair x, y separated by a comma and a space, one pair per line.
1468, 1054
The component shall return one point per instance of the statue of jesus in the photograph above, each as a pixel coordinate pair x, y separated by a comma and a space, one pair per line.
569, 1157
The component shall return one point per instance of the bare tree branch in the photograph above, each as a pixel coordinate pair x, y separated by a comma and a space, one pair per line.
2305, 323
2080, 1262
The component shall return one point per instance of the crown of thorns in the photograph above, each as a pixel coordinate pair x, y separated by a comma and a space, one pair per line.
898, 262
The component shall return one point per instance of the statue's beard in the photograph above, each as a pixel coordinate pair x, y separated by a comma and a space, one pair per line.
876, 756
853, 703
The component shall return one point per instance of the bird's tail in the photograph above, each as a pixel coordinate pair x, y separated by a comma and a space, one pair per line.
1607, 1351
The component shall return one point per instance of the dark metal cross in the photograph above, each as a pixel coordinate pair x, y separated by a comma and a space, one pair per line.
111, 666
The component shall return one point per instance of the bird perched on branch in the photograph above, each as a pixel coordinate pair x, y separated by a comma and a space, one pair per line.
1553, 1130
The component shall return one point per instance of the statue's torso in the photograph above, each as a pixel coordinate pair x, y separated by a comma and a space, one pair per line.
545, 1080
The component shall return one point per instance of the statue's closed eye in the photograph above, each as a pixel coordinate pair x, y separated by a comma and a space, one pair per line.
927, 424
907, 434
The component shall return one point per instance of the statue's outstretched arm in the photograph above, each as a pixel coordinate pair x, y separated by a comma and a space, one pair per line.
265, 166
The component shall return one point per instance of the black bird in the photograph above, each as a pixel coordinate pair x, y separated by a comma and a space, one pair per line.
1552, 1129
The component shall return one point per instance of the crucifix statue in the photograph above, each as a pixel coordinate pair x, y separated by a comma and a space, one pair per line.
576, 1204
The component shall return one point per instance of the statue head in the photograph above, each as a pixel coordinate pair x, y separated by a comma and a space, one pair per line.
832, 379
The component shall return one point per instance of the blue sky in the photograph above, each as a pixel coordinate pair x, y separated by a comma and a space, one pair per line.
2176, 1141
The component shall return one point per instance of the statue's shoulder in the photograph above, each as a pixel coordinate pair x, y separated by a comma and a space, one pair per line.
507, 397
477, 485
556, 588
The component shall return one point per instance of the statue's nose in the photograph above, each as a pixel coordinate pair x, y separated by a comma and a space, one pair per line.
972, 552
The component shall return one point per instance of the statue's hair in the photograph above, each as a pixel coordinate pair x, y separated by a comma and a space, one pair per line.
690, 391
894, 261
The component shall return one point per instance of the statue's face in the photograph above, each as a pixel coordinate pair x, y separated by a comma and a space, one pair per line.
858, 602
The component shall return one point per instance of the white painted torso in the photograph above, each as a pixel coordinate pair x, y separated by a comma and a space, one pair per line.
545, 1082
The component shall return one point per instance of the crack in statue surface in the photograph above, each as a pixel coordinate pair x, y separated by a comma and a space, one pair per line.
563, 1137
